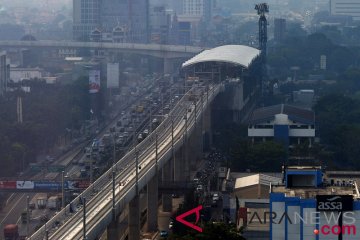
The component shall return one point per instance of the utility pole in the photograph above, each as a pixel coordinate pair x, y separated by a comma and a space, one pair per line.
113, 194
84, 217
137, 170
172, 137
27, 214
262, 8
114, 150
156, 149
91, 165
62, 191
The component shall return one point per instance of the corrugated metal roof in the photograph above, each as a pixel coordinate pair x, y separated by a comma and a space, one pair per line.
235, 54
294, 113
255, 179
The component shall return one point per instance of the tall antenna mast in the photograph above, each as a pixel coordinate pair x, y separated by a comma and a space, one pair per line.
262, 8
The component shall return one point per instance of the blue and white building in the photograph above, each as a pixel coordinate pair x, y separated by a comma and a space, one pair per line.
306, 207
289, 124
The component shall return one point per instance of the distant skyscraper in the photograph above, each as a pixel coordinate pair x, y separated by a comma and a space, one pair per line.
107, 15
200, 8
159, 24
279, 29
345, 7
4, 72
86, 16
132, 15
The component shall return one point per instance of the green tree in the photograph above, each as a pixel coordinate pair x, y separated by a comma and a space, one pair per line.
212, 231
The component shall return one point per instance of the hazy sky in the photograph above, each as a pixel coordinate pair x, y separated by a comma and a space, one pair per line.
35, 3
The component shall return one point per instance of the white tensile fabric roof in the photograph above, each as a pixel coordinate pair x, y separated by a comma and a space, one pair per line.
236, 54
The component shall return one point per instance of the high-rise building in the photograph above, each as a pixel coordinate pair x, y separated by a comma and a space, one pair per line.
131, 15
279, 29
201, 8
159, 24
345, 7
106, 15
4, 72
86, 16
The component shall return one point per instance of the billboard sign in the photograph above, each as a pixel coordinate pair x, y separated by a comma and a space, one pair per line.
73, 185
25, 185
47, 185
36, 167
7, 184
94, 81
113, 75
56, 168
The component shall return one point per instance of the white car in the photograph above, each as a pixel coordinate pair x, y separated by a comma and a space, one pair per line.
215, 197
199, 188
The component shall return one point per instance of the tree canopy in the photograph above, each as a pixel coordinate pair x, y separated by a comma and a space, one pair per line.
48, 110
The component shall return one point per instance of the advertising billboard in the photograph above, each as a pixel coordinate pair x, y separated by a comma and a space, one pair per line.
7, 184
25, 185
94, 81
50, 186
112, 75
81, 184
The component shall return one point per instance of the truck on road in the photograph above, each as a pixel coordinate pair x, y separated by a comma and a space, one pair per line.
11, 232
54, 203
41, 200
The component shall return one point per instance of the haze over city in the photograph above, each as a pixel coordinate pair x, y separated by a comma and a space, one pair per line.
179, 119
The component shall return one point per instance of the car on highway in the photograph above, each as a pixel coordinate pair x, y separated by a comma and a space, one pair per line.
215, 197
171, 224
164, 234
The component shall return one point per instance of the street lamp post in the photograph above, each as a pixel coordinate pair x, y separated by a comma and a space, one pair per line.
91, 165
62, 191
156, 150
137, 170
27, 214
84, 217
114, 150
172, 138
195, 103
113, 194
46, 233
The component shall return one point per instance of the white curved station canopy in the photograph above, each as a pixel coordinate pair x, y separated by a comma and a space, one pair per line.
235, 54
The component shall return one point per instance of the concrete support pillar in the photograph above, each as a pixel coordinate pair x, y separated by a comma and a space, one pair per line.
113, 232
166, 197
152, 204
168, 66
207, 131
186, 159
194, 149
179, 165
134, 218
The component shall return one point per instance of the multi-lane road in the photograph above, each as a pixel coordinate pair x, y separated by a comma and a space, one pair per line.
181, 120
17, 201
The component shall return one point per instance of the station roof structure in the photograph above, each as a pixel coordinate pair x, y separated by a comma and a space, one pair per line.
236, 54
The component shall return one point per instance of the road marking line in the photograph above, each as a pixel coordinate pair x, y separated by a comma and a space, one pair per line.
1, 223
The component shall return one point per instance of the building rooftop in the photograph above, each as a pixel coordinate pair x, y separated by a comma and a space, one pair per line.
235, 54
255, 179
311, 192
310, 181
294, 113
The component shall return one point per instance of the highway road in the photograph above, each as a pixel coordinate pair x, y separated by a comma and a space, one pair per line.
99, 195
17, 202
